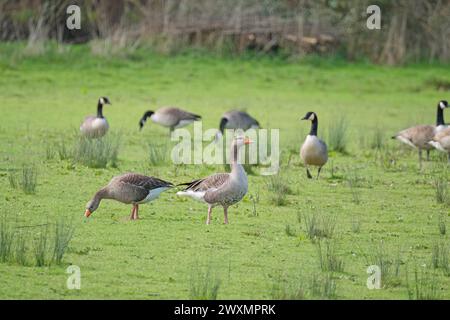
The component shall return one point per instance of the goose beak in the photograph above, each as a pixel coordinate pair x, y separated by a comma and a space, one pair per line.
87, 213
304, 118
247, 141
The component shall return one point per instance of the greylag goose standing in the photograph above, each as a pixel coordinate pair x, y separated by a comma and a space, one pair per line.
223, 189
96, 126
419, 136
314, 151
129, 188
172, 118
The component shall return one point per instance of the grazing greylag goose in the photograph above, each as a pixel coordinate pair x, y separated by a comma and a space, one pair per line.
96, 126
419, 136
441, 141
223, 189
314, 151
172, 118
236, 120
129, 188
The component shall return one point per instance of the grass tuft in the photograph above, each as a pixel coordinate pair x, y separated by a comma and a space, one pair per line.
6, 241
328, 258
62, 236
278, 188
25, 180
440, 257
337, 135
389, 265
157, 154
41, 247
441, 225
203, 284
318, 226
424, 286
97, 153
441, 189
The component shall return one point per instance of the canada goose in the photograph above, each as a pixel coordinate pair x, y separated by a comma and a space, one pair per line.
129, 188
419, 136
441, 141
96, 126
223, 189
236, 120
314, 151
169, 117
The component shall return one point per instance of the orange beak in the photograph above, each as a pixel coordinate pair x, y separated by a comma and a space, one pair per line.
87, 213
247, 141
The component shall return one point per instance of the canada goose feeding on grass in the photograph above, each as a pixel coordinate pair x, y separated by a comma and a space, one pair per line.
172, 118
441, 141
419, 136
129, 188
314, 152
236, 120
96, 126
223, 189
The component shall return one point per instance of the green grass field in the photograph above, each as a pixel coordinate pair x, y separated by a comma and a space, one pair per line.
373, 200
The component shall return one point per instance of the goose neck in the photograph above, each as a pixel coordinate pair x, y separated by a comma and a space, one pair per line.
314, 127
100, 110
440, 116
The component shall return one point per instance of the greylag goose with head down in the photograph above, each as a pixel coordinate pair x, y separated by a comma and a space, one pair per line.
235, 119
129, 188
169, 117
419, 136
314, 152
224, 189
96, 126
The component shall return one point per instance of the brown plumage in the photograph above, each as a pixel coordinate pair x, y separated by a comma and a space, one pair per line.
441, 141
129, 188
223, 189
419, 136
170, 117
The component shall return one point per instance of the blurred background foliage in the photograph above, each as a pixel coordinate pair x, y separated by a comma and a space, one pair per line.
412, 30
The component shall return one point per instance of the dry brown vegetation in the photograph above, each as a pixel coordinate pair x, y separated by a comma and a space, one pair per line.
412, 30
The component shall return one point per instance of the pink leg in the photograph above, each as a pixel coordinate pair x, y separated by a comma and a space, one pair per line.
208, 220
225, 212
136, 213
132, 212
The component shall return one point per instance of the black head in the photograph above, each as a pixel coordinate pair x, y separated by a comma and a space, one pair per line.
443, 104
223, 123
144, 118
310, 116
103, 100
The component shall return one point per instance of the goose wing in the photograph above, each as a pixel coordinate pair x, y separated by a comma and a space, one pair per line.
132, 187
214, 181
178, 114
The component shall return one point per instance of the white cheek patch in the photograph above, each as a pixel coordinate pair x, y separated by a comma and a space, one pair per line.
312, 117
442, 105
102, 101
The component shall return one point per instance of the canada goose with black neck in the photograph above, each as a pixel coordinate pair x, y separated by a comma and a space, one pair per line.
314, 152
223, 189
96, 126
419, 136
169, 117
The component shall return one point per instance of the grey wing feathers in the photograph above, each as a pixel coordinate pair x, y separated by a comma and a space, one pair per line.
148, 183
213, 181
179, 114
136, 187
